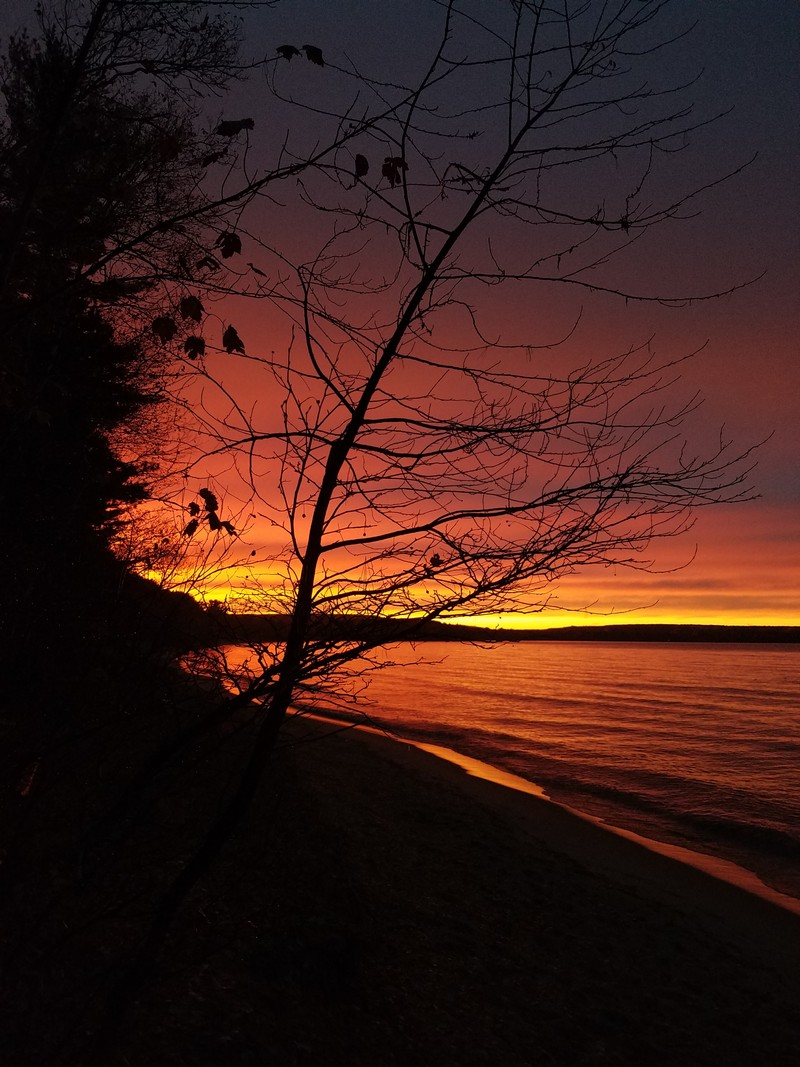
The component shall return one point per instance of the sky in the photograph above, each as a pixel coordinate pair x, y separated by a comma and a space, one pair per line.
740, 563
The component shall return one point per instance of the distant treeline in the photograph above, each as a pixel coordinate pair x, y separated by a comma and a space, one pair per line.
264, 628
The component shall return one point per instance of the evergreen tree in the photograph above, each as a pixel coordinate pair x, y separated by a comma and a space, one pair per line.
79, 359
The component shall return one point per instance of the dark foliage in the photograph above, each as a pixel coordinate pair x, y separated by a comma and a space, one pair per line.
229, 244
287, 51
92, 169
233, 127
314, 54
74, 370
231, 340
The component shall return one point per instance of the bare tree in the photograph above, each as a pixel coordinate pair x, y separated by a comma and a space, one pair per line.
416, 463
416, 460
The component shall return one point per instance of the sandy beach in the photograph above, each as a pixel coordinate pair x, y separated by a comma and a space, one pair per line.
390, 909
384, 908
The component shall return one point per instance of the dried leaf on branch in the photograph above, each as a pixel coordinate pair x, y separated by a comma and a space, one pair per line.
231, 341
229, 244
233, 127
164, 328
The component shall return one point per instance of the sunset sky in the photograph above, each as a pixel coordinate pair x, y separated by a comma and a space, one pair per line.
740, 563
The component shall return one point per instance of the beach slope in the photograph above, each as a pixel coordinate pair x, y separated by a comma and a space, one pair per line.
394, 910
382, 907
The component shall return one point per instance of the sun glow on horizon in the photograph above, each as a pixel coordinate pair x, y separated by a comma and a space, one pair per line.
741, 573
646, 617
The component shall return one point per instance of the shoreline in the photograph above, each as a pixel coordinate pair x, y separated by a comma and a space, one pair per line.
731, 898
477, 924
715, 866
245, 627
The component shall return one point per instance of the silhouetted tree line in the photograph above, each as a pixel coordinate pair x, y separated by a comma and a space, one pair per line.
99, 157
76, 364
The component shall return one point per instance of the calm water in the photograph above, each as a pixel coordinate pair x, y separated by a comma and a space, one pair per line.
698, 745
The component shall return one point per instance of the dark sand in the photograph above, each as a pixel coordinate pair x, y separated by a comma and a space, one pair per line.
382, 907
396, 911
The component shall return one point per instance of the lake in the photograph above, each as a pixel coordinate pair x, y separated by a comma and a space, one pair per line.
695, 745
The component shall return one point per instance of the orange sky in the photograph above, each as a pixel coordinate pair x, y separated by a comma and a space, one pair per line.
740, 564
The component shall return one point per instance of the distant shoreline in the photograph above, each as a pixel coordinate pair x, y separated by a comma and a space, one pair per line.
264, 628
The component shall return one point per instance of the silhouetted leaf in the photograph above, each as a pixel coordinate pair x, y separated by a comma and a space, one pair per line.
213, 157
436, 560
392, 168
255, 270
164, 328
232, 127
208, 262
209, 499
362, 166
231, 341
191, 527
287, 51
313, 54
213, 521
191, 308
194, 346
229, 244
229, 527
194, 508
